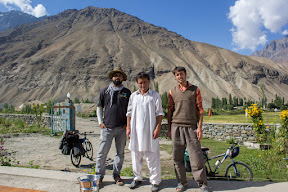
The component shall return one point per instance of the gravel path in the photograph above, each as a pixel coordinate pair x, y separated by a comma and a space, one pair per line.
43, 149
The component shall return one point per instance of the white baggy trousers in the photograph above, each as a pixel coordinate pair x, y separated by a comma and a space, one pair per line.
153, 163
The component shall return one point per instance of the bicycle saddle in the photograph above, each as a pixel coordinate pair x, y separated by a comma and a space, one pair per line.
205, 149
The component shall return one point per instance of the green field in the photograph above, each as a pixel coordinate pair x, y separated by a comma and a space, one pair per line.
268, 117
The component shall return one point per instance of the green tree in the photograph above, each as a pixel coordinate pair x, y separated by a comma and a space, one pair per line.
156, 87
76, 100
134, 88
218, 103
278, 101
224, 101
164, 98
263, 95
241, 102
87, 101
213, 103
230, 99
49, 106
235, 101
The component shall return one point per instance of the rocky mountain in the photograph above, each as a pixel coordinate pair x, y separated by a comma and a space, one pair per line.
74, 50
276, 50
15, 18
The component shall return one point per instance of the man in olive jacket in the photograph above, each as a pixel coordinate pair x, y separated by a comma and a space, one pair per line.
185, 117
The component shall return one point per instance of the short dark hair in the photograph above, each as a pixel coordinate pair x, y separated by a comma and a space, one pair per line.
142, 75
178, 69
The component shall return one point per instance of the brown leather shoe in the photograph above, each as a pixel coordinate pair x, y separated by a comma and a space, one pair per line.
100, 183
119, 181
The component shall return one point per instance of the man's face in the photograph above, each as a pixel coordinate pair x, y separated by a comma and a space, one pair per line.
143, 84
117, 78
180, 77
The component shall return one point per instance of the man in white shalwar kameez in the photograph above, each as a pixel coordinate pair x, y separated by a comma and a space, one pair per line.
144, 116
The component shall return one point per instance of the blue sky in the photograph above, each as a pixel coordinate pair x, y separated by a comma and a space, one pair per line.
242, 26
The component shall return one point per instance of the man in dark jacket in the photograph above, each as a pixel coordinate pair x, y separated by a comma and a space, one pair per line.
114, 100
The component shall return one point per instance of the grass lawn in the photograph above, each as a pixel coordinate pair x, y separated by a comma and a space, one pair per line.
268, 117
265, 167
8, 126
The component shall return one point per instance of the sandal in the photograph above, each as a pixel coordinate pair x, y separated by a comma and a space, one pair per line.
181, 187
118, 181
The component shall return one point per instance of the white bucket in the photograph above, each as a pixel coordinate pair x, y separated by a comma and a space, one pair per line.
88, 183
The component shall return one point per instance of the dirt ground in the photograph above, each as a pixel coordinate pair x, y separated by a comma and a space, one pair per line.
42, 150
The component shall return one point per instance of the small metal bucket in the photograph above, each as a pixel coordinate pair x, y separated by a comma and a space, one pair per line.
88, 183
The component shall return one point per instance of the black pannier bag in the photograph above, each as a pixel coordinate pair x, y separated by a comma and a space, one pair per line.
71, 138
67, 142
66, 149
78, 148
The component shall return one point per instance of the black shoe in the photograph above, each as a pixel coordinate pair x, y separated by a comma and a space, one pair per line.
135, 184
205, 188
154, 188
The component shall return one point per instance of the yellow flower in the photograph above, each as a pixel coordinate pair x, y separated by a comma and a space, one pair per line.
259, 155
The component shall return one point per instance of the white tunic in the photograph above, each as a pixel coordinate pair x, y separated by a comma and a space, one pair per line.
143, 110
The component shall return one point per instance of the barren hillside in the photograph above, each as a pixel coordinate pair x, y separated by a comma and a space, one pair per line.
74, 50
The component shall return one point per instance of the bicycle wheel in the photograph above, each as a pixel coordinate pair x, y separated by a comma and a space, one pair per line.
239, 171
88, 150
75, 159
187, 166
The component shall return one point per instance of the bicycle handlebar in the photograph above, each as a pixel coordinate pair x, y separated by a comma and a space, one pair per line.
85, 133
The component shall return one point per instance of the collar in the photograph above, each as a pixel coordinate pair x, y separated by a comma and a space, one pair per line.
184, 88
148, 92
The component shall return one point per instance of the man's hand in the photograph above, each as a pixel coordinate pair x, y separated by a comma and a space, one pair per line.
103, 126
169, 133
128, 131
128, 127
199, 133
124, 127
156, 133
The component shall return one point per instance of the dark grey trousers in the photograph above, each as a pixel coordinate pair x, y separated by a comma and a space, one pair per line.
183, 137
106, 138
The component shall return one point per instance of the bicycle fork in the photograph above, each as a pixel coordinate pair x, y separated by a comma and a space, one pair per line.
234, 167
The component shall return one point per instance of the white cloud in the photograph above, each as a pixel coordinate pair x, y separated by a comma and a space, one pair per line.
26, 7
285, 32
252, 19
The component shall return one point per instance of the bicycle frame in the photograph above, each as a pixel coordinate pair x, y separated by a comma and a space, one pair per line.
226, 155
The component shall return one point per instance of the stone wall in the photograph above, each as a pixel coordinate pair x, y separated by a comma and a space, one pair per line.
223, 131
219, 131
29, 119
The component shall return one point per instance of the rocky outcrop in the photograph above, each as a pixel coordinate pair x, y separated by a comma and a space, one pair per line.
276, 50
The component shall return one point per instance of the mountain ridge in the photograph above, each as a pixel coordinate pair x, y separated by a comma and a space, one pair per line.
74, 50
14, 18
276, 50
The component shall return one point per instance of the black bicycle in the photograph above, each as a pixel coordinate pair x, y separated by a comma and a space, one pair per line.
236, 170
85, 148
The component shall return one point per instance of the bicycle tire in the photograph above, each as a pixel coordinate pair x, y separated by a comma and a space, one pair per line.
244, 171
88, 150
75, 159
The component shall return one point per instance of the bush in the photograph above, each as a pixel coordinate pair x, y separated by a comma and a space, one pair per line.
7, 158
255, 113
